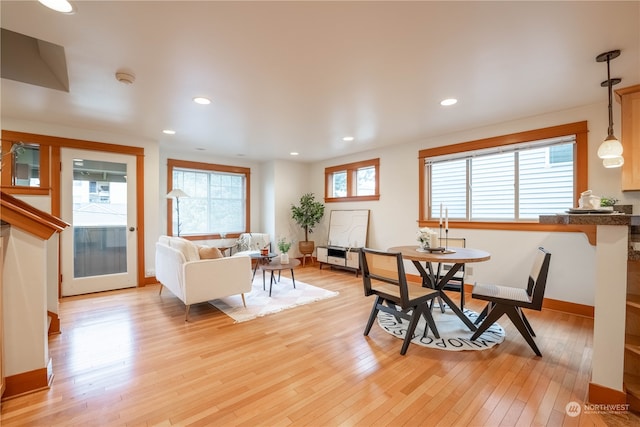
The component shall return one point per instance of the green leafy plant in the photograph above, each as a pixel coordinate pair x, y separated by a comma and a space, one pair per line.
608, 201
307, 214
284, 245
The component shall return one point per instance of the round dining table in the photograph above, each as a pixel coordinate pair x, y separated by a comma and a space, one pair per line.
455, 256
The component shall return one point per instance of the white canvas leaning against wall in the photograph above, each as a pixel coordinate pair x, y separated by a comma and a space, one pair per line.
348, 228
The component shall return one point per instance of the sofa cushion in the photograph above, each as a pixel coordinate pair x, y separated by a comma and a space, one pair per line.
188, 248
209, 252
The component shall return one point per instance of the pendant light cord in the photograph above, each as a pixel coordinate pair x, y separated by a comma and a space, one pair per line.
610, 131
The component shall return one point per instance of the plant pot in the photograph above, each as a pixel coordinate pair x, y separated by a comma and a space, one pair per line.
306, 247
284, 258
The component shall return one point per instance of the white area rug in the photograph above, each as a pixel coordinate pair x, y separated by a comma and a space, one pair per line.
454, 335
283, 296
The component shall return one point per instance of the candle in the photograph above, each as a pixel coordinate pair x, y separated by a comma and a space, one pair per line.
441, 214
446, 220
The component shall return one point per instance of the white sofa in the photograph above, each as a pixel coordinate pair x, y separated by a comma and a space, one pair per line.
194, 280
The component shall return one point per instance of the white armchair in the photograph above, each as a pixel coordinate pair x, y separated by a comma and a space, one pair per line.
251, 243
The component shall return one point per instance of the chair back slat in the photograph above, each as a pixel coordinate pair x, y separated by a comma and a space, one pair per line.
451, 242
383, 266
538, 278
386, 267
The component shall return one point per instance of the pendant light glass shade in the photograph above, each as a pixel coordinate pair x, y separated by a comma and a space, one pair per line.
611, 148
613, 162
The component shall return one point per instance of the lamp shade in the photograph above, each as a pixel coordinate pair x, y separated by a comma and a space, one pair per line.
610, 148
613, 162
176, 193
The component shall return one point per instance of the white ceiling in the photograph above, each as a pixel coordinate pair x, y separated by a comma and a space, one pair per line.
298, 76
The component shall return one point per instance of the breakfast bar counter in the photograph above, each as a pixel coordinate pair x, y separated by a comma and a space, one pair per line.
617, 259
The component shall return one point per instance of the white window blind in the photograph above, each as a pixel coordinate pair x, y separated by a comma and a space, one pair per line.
517, 182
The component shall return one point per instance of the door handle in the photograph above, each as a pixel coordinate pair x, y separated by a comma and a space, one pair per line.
132, 229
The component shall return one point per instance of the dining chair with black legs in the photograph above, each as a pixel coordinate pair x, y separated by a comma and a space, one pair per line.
383, 275
511, 300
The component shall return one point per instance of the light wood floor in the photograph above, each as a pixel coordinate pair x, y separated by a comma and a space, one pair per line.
128, 358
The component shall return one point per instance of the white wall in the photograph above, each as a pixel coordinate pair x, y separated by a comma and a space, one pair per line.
24, 303
393, 219
289, 184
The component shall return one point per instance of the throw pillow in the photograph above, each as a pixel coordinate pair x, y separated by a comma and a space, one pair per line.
207, 252
188, 248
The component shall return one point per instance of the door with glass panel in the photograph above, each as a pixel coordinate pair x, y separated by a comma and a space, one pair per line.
98, 199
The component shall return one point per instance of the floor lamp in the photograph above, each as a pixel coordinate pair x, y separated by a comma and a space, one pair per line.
176, 193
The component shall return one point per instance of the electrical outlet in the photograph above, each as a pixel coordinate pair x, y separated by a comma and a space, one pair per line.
469, 271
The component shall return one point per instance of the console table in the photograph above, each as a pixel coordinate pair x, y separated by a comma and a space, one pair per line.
336, 256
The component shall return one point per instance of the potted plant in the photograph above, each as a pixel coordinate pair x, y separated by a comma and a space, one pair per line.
608, 202
283, 247
307, 215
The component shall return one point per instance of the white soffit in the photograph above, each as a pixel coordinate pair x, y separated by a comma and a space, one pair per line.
29, 60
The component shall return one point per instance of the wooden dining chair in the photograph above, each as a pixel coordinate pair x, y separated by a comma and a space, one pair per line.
511, 300
383, 275
456, 283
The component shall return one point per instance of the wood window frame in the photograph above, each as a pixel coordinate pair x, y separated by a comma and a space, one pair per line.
351, 169
8, 140
208, 167
581, 173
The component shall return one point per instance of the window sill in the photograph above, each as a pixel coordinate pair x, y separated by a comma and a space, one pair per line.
588, 230
351, 199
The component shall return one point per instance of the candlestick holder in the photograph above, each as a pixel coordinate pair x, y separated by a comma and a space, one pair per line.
446, 239
440, 236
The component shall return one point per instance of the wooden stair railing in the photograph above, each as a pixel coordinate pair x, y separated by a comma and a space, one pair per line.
32, 220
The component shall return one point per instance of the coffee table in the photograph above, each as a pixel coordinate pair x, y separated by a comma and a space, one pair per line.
277, 266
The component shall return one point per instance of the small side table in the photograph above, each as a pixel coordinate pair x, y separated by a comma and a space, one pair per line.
276, 266
261, 259
224, 250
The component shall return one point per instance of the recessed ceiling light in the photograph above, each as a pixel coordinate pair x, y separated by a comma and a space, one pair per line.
62, 6
294, 153
201, 100
448, 101
348, 138
169, 131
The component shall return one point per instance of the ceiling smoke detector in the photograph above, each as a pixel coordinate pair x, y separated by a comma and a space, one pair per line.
124, 77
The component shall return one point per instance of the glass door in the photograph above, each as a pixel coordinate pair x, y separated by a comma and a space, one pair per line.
98, 199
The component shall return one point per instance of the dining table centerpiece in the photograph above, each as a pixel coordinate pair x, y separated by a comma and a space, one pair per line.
427, 238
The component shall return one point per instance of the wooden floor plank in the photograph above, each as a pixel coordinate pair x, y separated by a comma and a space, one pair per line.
127, 358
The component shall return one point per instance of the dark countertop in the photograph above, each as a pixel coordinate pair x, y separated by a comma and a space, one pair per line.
632, 221
591, 219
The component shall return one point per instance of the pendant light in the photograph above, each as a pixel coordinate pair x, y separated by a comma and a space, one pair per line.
611, 149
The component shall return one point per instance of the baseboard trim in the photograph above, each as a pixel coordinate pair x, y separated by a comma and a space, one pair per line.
54, 326
149, 281
569, 307
549, 304
604, 395
28, 382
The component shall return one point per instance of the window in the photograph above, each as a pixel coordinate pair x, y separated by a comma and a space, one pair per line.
505, 179
353, 181
218, 199
25, 167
